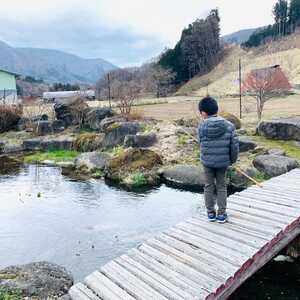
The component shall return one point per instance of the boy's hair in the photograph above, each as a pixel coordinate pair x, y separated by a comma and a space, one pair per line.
208, 105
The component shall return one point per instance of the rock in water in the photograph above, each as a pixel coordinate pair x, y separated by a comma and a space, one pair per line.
281, 129
134, 161
185, 176
274, 165
91, 161
246, 144
140, 140
94, 116
39, 279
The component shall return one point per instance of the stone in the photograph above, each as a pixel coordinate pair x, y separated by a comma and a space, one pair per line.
281, 129
12, 148
184, 176
238, 180
188, 122
94, 116
42, 128
2, 146
105, 123
71, 110
140, 140
88, 142
115, 134
134, 161
32, 144
58, 126
38, 279
59, 143
187, 131
277, 152
274, 165
241, 131
91, 161
232, 119
246, 144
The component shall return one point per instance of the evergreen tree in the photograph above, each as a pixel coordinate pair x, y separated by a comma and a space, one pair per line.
280, 12
294, 14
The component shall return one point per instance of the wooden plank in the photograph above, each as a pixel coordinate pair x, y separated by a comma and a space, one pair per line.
275, 209
271, 225
208, 270
238, 233
222, 252
276, 185
133, 285
154, 280
179, 267
255, 226
272, 197
252, 211
81, 292
271, 192
173, 277
105, 288
238, 246
220, 266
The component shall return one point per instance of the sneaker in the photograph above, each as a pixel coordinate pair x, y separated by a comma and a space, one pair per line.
222, 218
211, 216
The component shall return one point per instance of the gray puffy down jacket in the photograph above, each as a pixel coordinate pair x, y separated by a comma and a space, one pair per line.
219, 143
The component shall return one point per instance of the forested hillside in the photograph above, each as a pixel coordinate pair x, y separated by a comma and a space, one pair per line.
198, 50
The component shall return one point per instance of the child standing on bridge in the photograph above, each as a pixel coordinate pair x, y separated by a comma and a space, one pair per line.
219, 146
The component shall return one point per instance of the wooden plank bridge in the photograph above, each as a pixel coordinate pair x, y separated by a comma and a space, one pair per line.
200, 260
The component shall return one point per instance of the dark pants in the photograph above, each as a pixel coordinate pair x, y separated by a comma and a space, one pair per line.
215, 182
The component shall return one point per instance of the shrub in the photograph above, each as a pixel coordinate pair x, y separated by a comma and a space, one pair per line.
9, 117
138, 179
6, 294
232, 119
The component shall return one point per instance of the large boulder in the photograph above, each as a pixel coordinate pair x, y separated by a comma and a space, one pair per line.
232, 119
42, 127
71, 110
107, 122
240, 181
115, 134
274, 165
88, 142
39, 280
94, 116
184, 176
282, 129
45, 144
92, 161
246, 144
140, 140
135, 164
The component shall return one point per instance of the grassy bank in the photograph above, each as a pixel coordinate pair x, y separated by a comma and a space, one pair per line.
56, 156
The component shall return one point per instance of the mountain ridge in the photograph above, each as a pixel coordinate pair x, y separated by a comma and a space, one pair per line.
52, 65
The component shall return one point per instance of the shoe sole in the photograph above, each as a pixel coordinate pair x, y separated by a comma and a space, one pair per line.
221, 222
212, 220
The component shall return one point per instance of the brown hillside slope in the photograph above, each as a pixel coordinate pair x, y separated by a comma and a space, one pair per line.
223, 79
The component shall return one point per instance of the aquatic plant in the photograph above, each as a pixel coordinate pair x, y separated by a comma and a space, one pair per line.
52, 155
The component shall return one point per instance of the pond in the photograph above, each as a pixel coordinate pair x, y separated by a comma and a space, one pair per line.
81, 225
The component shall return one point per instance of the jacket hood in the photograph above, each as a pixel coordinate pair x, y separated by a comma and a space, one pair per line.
214, 127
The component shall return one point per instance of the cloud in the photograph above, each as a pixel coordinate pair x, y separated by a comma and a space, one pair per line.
124, 32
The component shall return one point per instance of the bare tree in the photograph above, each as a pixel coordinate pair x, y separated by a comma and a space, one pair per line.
264, 84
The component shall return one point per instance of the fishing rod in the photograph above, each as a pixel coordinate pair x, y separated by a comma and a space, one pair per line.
238, 169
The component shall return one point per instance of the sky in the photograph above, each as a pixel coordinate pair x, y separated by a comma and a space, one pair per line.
124, 32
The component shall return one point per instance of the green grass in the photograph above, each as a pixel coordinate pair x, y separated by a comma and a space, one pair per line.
288, 146
182, 139
118, 150
138, 179
55, 155
6, 294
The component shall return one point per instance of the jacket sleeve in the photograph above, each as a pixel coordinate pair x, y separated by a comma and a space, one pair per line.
200, 133
234, 147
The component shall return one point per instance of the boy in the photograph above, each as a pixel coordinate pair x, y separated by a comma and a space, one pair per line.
219, 149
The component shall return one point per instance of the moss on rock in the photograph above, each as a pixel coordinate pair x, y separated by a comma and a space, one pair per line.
124, 167
88, 141
232, 119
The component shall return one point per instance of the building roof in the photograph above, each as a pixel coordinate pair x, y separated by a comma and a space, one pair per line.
11, 73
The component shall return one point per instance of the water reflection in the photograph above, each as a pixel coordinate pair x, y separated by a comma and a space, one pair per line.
80, 224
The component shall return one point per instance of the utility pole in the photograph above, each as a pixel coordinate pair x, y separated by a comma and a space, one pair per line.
108, 86
240, 83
